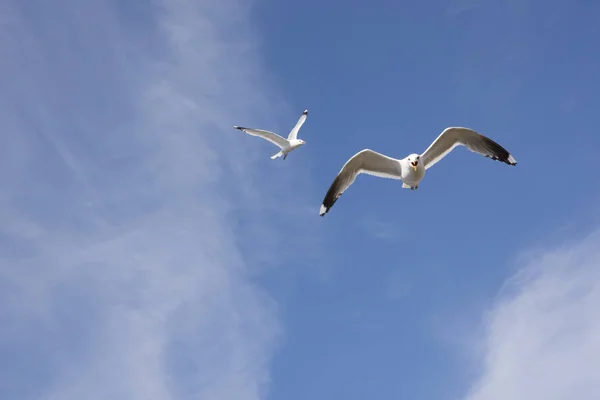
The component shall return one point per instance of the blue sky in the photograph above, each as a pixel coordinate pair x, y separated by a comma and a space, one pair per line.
150, 251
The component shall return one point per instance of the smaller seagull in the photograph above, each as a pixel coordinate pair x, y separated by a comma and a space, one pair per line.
286, 145
411, 170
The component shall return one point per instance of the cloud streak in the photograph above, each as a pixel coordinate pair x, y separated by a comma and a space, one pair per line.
119, 271
542, 339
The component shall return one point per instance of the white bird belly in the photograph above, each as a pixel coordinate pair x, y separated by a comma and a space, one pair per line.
412, 177
291, 147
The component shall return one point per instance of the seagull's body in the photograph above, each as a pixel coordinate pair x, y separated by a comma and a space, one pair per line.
286, 145
411, 169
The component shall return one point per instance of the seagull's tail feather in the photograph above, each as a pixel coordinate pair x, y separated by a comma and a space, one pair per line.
280, 154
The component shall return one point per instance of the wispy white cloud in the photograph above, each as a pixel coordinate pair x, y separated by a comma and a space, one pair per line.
120, 276
542, 338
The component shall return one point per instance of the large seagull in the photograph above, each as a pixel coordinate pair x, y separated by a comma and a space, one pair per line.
411, 170
286, 145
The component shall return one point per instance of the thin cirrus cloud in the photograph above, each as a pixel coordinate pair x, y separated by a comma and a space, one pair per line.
117, 278
542, 339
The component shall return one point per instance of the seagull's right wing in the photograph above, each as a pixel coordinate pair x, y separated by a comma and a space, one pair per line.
367, 162
270, 136
475, 142
294, 133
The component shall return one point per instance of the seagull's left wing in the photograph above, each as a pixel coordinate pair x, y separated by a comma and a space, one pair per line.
364, 162
270, 136
294, 133
475, 142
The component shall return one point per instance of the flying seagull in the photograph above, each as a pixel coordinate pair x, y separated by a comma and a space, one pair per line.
286, 145
411, 170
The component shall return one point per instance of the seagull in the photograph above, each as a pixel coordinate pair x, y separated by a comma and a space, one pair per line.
286, 145
411, 170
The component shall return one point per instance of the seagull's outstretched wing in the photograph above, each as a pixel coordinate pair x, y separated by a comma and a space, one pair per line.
270, 136
294, 133
457, 136
366, 162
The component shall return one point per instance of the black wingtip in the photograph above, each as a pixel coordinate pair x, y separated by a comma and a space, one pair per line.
331, 197
305, 112
324, 210
499, 153
507, 159
241, 128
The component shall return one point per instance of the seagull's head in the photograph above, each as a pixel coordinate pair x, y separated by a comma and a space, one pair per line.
414, 159
301, 142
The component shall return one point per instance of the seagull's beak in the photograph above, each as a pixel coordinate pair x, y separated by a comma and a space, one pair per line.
414, 165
